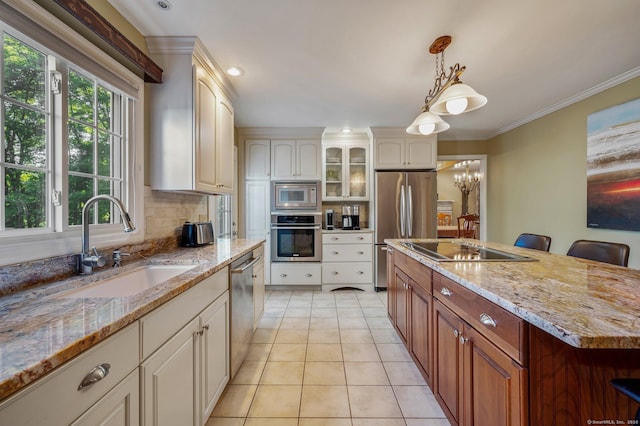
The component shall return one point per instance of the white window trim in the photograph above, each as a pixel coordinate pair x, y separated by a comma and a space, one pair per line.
40, 25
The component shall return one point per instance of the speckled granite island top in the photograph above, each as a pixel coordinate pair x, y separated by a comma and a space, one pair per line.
584, 303
40, 331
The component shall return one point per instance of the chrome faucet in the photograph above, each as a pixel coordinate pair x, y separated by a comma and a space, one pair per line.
86, 260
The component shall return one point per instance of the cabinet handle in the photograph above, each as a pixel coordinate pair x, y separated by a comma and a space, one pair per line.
334, 273
334, 253
359, 272
361, 238
283, 275
335, 238
456, 333
308, 275
445, 291
487, 320
463, 339
204, 328
360, 252
96, 374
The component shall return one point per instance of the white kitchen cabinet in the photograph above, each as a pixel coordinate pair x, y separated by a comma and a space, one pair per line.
347, 260
56, 399
258, 287
295, 159
257, 160
119, 407
296, 273
214, 353
345, 171
405, 152
191, 120
258, 217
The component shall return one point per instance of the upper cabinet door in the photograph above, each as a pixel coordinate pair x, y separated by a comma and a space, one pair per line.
283, 156
257, 164
389, 154
357, 177
205, 124
308, 160
421, 153
224, 164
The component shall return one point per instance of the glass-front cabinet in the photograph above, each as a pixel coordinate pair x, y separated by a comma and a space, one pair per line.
345, 172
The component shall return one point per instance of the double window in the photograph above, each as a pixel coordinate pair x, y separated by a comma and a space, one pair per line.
67, 136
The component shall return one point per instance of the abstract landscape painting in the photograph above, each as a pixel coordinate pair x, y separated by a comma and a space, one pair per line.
613, 167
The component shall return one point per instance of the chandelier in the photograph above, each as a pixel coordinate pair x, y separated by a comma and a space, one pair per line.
449, 95
466, 183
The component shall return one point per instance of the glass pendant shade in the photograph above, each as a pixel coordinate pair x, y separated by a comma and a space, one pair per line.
427, 123
452, 100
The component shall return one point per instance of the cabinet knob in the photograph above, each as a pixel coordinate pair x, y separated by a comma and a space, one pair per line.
96, 374
359, 272
463, 339
360, 252
335, 238
446, 292
308, 275
360, 238
334, 273
335, 253
487, 320
283, 275
456, 333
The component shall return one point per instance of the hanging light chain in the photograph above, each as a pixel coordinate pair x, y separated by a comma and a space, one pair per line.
442, 79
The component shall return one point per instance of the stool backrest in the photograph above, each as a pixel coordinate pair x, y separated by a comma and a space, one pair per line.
602, 251
533, 241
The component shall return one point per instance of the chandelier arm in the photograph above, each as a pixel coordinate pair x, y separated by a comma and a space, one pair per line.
449, 79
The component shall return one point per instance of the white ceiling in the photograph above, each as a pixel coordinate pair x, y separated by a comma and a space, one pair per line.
362, 63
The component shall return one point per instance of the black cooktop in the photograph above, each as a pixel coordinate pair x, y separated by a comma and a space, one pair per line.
448, 251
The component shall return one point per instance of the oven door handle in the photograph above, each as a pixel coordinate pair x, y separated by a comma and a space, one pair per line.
296, 227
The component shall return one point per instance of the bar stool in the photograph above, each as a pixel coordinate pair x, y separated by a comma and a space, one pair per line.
631, 388
533, 241
602, 251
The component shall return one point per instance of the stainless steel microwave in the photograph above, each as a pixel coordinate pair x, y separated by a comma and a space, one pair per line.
295, 195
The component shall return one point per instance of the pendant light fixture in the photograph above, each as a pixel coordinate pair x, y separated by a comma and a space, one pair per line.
449, 95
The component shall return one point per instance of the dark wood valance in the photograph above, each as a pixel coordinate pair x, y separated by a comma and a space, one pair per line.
89, 18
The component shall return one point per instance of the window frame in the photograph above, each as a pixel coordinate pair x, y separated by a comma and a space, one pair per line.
47, 32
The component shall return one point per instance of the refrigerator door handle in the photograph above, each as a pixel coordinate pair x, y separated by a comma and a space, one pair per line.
402, 210
409, 211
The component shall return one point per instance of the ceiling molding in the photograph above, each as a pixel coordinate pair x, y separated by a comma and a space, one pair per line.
90, 19
282, 132
570, 101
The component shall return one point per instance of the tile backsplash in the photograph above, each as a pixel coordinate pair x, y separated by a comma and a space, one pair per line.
165, 212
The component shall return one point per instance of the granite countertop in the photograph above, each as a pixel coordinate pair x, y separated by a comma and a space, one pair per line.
40, 331
584, 303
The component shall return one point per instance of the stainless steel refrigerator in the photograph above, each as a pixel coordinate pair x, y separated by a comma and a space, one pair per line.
405, 207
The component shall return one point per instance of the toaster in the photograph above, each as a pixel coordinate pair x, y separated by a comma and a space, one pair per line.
195, 234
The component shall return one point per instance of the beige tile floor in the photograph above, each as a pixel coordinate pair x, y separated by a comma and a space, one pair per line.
325, 359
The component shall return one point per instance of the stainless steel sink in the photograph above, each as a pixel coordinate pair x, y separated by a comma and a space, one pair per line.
449, 251
128, 283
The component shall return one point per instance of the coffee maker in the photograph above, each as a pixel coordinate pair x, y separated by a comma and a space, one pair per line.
329, 218
347, 223
355, 217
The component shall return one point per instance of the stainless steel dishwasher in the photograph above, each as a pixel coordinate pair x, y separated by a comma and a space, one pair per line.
241, 309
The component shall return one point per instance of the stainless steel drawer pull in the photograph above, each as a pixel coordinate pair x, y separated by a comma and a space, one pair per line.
335, 253
487, 320
98, 373
445, 291
360, 252
335, 238
334, 273
283, 275
308, 275
359, 272
361, 238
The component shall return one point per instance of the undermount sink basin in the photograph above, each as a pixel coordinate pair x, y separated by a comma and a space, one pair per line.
128, 283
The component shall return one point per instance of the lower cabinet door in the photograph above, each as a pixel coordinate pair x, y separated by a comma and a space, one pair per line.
169, 382
420, 333
448, 361
495, 389
402, 304
215, 353
119, 407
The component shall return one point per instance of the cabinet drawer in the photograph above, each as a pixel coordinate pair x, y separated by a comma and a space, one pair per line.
347, 253
291, 273
347, 273
56, 400
508, 331
421, 274
159, 325
348, 238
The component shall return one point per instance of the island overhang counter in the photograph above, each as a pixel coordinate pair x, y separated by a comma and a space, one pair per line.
575, 321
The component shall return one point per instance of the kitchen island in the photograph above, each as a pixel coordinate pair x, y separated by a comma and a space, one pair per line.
43, 332
532, 342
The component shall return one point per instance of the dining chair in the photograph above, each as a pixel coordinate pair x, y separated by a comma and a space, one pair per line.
631, 388
533, 241
602, 251
467, 225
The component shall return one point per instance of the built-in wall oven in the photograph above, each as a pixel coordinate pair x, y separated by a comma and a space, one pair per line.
296, 236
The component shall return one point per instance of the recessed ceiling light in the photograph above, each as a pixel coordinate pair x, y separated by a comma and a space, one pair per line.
162, 4
235, 71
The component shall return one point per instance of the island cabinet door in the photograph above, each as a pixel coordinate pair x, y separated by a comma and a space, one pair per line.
391, 285
402, 304
448, 362
494, 385
420, 329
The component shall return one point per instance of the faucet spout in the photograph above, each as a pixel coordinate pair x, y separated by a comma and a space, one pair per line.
86, 260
